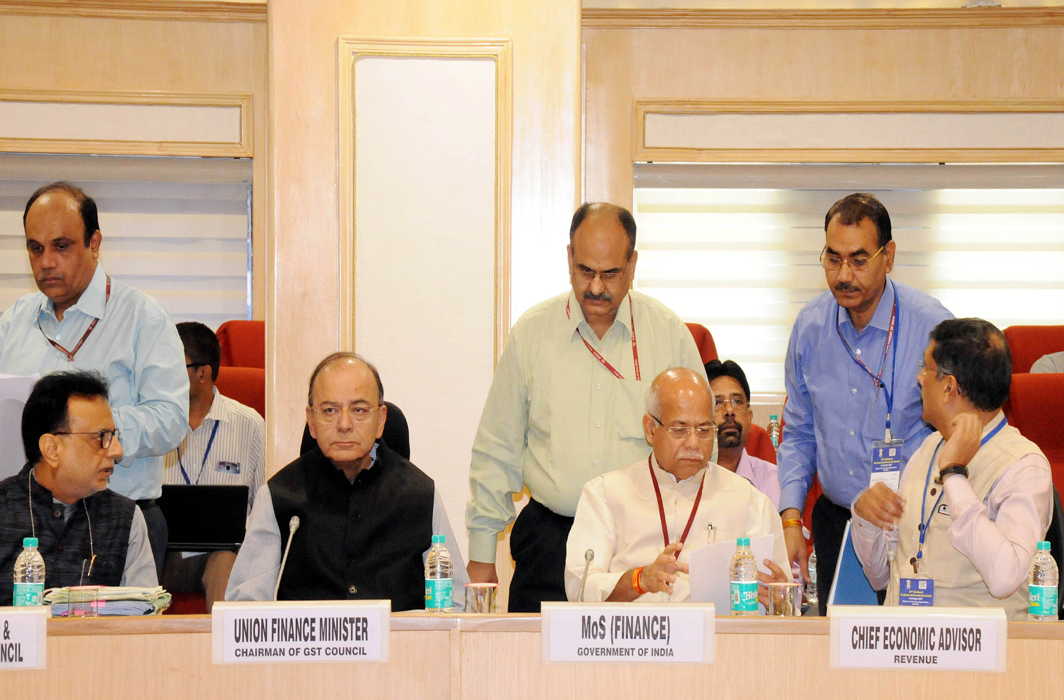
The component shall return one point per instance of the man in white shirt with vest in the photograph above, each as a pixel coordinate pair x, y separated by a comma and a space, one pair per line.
975, 498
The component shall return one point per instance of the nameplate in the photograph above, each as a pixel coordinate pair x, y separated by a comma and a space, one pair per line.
23, 637
292, 631
627, 632
938, 639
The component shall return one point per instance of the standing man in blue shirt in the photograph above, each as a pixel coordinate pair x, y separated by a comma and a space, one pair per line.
82, 319
853, 413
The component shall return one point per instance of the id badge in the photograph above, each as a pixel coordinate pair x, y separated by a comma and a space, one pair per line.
916, 592
887, 462
228, 467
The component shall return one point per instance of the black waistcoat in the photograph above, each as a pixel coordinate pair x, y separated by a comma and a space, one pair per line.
64, 545
361, 540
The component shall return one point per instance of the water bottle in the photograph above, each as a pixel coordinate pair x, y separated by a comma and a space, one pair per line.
438, 582
774, 430
1042, 585
743, 579
29, 575
811, 597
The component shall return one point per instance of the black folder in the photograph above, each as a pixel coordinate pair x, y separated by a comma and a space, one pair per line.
204, 518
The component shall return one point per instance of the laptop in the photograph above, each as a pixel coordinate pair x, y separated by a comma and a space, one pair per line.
204, 518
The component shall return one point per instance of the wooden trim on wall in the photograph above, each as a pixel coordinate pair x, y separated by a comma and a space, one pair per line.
140, 9
348, 52
643, 153
975, 17
243, 149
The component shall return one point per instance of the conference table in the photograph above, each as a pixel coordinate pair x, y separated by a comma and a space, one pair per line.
479, 657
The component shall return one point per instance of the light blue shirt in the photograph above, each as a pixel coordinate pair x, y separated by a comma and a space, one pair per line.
834, 411
135, 347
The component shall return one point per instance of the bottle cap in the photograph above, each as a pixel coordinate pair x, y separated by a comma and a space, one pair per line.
773, 417
439, 539
29, 541
742, 542
1043, 546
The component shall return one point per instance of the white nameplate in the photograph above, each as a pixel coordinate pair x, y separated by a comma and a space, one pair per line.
23, 637
943, 639
672, 633
302, 631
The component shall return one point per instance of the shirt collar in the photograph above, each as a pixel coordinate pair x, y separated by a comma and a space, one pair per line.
91, 302
992, 424
669, 477
881, 318
216, 413
576, 313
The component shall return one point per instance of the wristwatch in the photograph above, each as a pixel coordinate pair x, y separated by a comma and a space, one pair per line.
952, 469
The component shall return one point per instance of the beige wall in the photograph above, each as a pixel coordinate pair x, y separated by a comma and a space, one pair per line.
107, 54
918, 61
303, 318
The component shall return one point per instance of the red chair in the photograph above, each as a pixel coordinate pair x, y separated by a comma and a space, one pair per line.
759, 444
704, 341
1028, 343
1036, 406
245, 384
243, 343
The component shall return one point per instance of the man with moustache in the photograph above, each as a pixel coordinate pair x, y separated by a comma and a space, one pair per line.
731, 406
853, 413
86, 533
83, 319
566, 404
622, 513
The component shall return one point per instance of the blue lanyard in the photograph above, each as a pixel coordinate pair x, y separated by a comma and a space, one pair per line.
891, 342
210, 443
926, 523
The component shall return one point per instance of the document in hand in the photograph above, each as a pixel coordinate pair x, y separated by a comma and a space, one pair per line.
710, 578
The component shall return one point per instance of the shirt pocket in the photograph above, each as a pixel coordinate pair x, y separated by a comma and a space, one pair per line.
629, 409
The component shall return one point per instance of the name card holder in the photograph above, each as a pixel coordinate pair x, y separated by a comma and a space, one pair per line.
300, 631
627, 632
24, 637
937, 639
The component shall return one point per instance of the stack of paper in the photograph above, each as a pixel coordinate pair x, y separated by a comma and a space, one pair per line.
113, 600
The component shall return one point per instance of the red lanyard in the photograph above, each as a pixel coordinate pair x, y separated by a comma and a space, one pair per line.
661, 506
70, 353
602, 360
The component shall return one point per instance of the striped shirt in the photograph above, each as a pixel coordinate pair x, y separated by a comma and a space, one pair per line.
225, 450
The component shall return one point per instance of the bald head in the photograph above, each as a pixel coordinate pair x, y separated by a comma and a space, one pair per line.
679, 421
670, 384
349, 359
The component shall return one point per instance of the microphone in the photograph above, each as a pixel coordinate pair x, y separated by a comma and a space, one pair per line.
589, 556
293, 525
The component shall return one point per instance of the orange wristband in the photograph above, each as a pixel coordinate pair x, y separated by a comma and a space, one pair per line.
792, 522
635, 580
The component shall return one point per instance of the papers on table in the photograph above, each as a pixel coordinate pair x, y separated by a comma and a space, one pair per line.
710, 579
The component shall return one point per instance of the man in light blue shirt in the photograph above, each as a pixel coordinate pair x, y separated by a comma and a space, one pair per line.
851, 368
82, 319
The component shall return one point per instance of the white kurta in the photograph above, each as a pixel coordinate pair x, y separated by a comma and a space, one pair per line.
618, 519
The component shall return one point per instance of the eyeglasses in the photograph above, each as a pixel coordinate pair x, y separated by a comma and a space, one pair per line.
106, 437
589, 275
939, 371
705, 431
857, 263
190, 365
330, 412
736, 402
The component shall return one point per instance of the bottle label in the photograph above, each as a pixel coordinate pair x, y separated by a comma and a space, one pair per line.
743, 596
438, 593
1041, 601
28, 594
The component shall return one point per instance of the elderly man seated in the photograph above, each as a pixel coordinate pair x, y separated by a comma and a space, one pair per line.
86, 532
641, 521
975, 498
359, 516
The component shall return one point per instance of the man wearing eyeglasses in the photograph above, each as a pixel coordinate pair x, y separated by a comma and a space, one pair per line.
565, 404
623, 515
81, 318
87, 534
853, 413
359, 518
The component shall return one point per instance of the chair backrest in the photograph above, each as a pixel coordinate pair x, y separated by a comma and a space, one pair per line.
707, 349
396, 433
1036, 406
1028, 343
245, 384
243, 343
759, 444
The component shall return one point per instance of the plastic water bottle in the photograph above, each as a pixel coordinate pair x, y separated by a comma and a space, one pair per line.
438, 582
774, 430
811, 596
29, 575
743, 579
1042, 585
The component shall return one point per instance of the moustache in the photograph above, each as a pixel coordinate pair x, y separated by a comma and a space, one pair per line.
605, 296
690, 454
846, 287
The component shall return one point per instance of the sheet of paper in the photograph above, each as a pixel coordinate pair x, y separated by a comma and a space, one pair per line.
709, 570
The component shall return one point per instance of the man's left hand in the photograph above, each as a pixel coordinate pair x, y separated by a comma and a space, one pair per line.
775, 575
963, 442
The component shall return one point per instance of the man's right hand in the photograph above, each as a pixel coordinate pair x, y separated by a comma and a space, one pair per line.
482, 572
880, 506
797, 550
661, 575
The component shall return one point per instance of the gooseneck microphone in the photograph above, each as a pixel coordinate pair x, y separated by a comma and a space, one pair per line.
293, 525
589, 556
